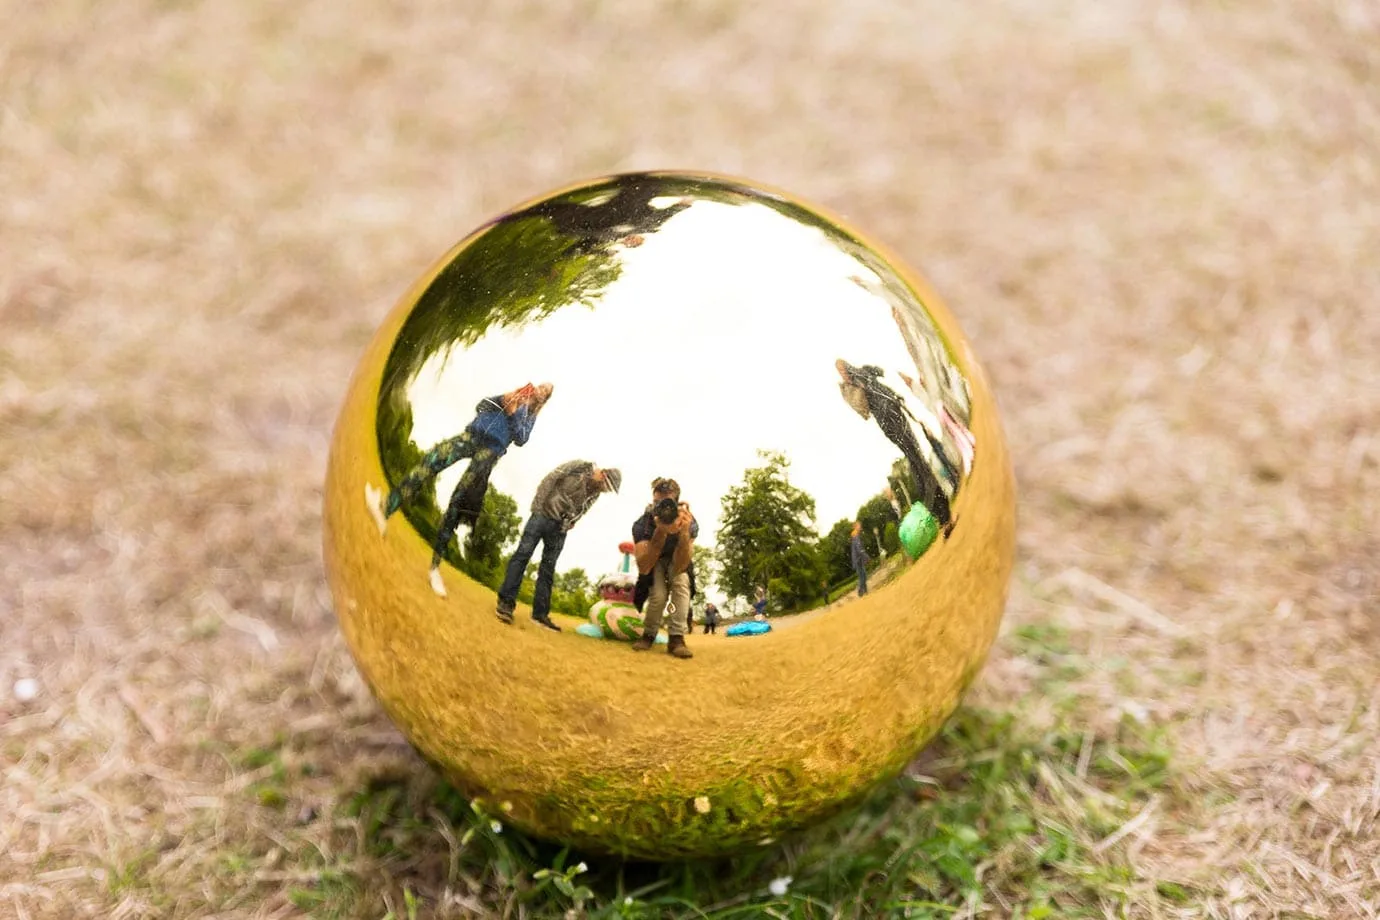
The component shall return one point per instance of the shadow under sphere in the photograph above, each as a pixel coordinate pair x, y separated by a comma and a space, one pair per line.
830, 434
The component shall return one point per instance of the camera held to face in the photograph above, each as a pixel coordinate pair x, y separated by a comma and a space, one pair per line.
666, 511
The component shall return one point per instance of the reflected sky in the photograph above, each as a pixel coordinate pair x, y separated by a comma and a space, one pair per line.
718, 338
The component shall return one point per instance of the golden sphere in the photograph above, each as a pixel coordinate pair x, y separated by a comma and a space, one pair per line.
792, 379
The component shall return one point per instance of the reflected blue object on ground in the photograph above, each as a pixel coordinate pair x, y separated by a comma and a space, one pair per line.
753, 628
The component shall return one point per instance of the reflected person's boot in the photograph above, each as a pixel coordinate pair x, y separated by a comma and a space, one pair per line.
676, 646
647, 640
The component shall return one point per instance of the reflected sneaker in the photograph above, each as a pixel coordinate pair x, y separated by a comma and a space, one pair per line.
546, 621
373, 500
437, 584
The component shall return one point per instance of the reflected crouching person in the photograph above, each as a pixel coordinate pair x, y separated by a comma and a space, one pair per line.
562, 498
858, 556
863, 390
499, 422
663, 540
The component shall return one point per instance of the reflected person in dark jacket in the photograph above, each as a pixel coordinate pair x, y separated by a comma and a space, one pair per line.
562, 498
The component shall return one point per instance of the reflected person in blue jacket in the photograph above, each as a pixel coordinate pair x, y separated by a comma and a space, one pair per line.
499, 422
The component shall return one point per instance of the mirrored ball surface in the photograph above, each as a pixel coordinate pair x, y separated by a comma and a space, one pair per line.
667, 515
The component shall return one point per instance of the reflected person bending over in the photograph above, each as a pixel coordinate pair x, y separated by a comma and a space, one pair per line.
562, 498
663, 540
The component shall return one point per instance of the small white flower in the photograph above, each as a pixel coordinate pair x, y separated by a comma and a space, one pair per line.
496, 827
582, 867
702, 804
779, 886
25, 689
627, 902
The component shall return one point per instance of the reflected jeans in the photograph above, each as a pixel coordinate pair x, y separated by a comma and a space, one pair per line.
548, 532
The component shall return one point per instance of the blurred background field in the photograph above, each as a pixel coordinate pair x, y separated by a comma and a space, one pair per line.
1158, 224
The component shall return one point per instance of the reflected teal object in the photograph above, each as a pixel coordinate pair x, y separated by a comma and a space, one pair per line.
753, 628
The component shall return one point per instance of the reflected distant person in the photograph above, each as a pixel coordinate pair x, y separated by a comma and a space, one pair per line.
759, 605
858, 556
499, 422
886, 407
562, 498
711, 619
663, 540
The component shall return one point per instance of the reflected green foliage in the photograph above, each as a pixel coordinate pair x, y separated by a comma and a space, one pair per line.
874, 515
422, 512
517, 272
706, 567
899, 481
833, 552
572, 592
488, 543
766, 537
891, 537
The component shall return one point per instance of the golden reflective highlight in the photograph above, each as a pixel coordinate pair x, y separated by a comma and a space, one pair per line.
666, 489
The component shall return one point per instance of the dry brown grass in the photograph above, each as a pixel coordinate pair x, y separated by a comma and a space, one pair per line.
1158, 227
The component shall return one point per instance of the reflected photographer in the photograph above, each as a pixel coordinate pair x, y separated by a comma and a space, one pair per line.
663, 539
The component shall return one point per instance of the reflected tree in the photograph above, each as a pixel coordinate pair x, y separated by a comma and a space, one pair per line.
488, 543
706, 567
834, 552
874, 515
573, 593
766, 537
515, 273
900, 483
